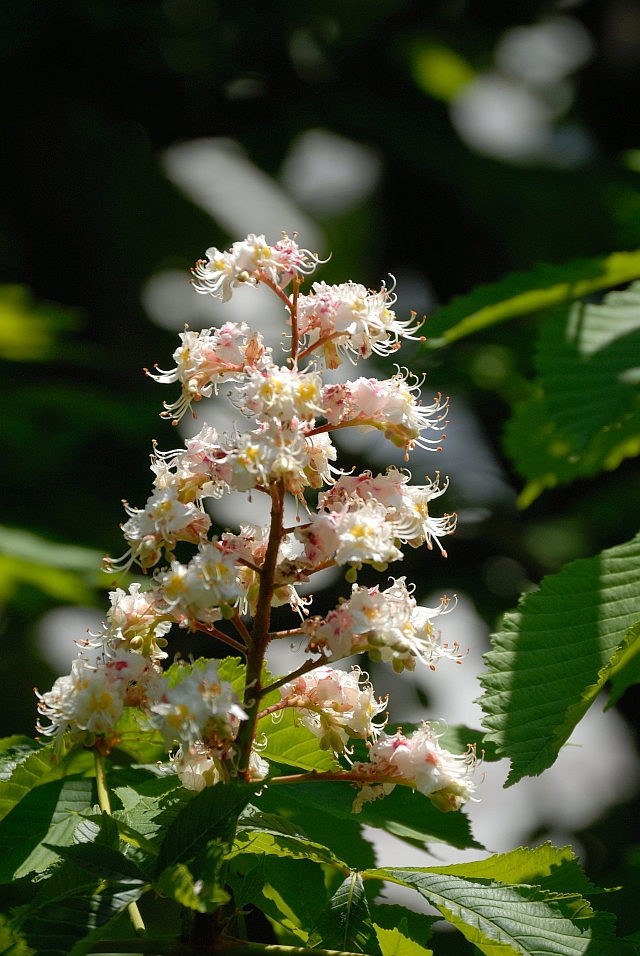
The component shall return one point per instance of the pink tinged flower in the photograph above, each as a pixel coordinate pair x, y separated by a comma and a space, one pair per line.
163, 522
194, 593
356, 320
207, 358
135, 622
388, 625
413, 523
335, 705
252, 260
393, 406
420, 762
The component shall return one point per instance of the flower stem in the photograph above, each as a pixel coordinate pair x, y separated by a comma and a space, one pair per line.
260, 632
105, 805
308, 665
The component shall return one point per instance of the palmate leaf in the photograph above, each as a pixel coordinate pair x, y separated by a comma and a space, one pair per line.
584, 412
522, 293
346, 922
553, 655
514, 920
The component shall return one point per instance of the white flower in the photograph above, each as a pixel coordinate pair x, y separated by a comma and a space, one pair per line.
199, 708
359, 534
135, 621
283, 394
196, 768
207, 358
196, 591
420, 762
85, 700
391, 405
190, 471
386, 624
349, 318
163, 522
407, 505
252, 260
335, 705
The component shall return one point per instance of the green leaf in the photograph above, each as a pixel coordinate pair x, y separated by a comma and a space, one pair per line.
553, 655
404, 812
290, 743
101, 830
249, 888
138, 739
516, 920
393, 942
583, 415
346, 923
103, 862
48, 814
553, 869
417, 926
522, 293
210, 815
11, 942
261, 834
28, 773
150, 806
14, 751
68, 908
341, 834
626, 671
197, 886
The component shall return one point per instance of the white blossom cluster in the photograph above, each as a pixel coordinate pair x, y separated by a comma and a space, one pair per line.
419, 762
360, 519
351, 320
388, 625
335, 705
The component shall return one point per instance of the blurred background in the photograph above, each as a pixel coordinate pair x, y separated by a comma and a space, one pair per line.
445, 143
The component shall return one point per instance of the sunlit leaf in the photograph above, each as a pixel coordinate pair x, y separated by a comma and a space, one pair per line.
393, 942
553, 869
48, 814
583, 415
521, 293
260, 834
514, 920
553, 655
346, 923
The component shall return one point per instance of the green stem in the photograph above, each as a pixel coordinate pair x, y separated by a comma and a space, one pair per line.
105, 805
